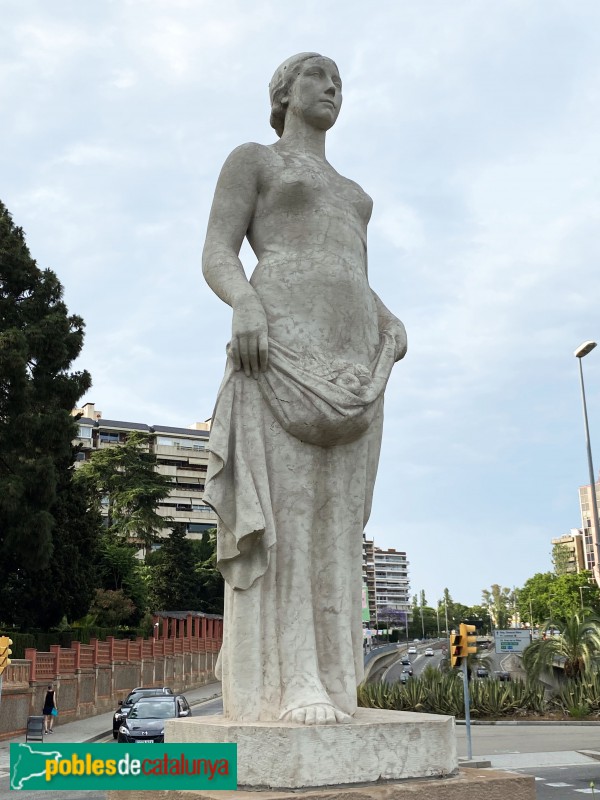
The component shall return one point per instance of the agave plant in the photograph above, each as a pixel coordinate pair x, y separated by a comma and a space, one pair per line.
578, 697
578, 647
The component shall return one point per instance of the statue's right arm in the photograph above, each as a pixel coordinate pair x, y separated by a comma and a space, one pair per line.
231, 214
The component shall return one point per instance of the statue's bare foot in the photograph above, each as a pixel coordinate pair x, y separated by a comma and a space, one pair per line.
317, 714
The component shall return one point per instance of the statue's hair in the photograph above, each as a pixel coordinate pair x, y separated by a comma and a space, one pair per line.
280, 86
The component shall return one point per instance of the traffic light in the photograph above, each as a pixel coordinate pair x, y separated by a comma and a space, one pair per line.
455, 649
5, 651
468, 639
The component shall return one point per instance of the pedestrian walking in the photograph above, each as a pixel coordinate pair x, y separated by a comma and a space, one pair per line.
50, 709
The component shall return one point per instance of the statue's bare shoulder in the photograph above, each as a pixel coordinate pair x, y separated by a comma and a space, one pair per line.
247, 163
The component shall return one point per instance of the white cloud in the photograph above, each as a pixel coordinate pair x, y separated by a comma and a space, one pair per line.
474, 128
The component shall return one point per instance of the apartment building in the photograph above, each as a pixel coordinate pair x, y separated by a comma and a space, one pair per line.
181, 453
585, 505
385, 573
391, 579
574, 546
368, 574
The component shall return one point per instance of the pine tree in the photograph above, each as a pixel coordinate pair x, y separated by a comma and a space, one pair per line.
39, 340
125, 477
184, 575
175, 586
32, 598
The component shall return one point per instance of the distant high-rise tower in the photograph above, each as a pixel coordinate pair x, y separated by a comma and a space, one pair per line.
385, 573
391, 580
585, 505
572, 543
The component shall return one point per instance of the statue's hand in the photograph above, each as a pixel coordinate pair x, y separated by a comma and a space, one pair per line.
249, 340
398, 332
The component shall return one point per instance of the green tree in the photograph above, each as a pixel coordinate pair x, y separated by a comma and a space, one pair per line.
578, 644
34, 599
547, 595
561, 558
480, 616
499, 601
124, 476
208, 573
457, 612
175, 586
39, 341
111, 607
184, 576
119, 570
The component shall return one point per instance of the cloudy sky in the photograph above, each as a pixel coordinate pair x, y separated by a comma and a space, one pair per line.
475, 128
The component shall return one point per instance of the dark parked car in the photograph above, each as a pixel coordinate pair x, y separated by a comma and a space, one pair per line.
146, 719
501, 675
482, 672
133, 696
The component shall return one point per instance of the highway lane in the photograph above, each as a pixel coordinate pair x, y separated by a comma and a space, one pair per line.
418, 661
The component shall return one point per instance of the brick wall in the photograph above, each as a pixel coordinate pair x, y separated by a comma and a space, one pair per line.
91, 679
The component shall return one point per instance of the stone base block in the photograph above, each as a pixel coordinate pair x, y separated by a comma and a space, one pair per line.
375, 746
472, 784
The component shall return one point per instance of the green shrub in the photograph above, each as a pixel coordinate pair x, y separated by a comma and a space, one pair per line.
436, 692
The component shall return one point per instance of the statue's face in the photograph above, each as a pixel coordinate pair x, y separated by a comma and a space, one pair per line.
316, 94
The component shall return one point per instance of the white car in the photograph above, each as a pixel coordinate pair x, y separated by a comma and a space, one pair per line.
412, 651
429, 651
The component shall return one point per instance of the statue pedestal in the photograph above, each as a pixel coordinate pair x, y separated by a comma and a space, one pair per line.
381, 755
375, 746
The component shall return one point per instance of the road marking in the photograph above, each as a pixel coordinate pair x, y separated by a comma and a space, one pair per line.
585, 791
559, 785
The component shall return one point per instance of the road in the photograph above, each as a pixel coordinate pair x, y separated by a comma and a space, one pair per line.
507, 663
549, 753
525, 746
418, 661
565, 783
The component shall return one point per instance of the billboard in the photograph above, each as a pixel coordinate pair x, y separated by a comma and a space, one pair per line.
366, 616
511, 641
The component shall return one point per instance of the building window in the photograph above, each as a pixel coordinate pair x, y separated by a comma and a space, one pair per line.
198, 527
109, 437
85, 432
180, 444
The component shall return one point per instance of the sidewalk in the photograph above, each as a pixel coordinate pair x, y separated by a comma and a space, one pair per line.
100, 726
92, 728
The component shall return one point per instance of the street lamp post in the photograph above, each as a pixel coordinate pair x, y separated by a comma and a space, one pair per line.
447, 628
582, 351
581, 591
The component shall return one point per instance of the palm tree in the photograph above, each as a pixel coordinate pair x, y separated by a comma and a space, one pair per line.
578, 646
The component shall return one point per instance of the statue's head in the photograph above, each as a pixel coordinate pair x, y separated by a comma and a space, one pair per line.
281, 86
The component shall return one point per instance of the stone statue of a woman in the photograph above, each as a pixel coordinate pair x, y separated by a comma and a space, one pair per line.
297, 426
